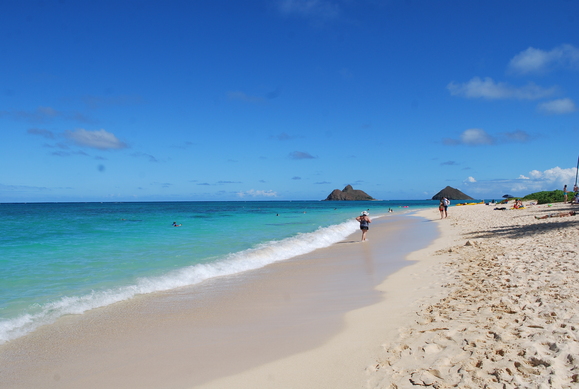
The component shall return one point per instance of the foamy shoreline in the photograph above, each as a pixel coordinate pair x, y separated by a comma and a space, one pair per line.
491, 303
192, 336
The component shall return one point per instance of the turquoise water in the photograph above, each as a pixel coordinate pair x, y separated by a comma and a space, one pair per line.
66, 258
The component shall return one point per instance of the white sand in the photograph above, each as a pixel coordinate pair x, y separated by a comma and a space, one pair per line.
510, 315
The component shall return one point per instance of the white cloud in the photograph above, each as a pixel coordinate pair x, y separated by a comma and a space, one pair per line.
257, 193
534, 181
558, 107
471, 179
487, 88
547, 180
534, 60
476, 136
479, 137
100, 139
555, 175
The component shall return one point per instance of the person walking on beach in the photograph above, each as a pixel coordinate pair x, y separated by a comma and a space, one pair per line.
444, 203
365, 221
565, 194
441, 208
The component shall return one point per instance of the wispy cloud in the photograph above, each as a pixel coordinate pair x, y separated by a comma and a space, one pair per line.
100, 139
558, 107
44, 115
40, 114
301, 155
41, 132
95, 102
183, 146
536, 61
320, 9
472, 137
517, 136
479, 137
241, 96
284, 136
62, 153
487, 88
149, 157
257, 193
274, 94
22, 188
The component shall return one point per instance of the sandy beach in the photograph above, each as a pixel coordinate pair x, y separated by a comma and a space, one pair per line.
491, 302
226, 326
509, 316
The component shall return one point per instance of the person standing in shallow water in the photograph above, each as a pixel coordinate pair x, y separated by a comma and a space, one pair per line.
365, 221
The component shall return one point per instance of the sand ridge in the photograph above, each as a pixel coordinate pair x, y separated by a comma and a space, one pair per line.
509, 318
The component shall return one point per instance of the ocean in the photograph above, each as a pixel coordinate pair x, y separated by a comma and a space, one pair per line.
58, 259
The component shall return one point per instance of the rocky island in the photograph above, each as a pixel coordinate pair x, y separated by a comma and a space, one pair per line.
451, 194
349, 194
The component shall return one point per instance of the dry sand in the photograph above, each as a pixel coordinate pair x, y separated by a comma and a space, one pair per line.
509, 317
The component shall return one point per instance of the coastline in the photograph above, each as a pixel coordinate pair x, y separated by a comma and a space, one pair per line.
191, 336
490, 302
349, 358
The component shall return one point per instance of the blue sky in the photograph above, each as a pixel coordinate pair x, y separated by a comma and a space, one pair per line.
286, 99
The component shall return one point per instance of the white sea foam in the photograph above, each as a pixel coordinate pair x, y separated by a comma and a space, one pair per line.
254, 258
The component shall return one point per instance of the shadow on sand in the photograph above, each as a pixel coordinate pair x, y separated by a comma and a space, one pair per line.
538, 227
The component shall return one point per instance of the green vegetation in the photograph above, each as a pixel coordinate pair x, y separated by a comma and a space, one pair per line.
554, 196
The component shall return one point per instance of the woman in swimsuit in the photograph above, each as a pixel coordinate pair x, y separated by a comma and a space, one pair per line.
364, 224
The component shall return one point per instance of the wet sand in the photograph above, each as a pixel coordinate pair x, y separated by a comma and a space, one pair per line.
491, 303
194, 337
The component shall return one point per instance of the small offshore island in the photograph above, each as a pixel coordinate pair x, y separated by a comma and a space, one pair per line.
349, 194
451, 194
